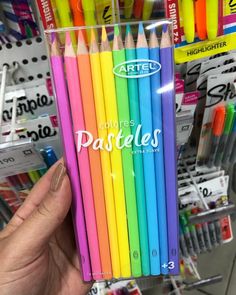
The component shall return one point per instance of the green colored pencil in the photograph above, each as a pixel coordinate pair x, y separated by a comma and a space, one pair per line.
127, 158
130, 52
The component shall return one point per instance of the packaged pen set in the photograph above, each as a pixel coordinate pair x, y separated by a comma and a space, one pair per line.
201, 190
217, 138
202, 28
116, 105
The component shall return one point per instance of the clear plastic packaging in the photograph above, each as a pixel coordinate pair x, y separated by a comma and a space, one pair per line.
114, 89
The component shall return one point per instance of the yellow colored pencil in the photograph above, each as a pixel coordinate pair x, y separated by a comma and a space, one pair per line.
105, 157
116, 160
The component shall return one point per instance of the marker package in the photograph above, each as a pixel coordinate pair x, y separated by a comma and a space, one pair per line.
218, 122
74, 13
116, 104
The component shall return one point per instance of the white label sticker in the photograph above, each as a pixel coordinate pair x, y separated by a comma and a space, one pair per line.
20, 159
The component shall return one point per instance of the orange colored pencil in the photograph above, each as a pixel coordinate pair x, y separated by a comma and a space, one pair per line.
200, 18
138, 8
94, 156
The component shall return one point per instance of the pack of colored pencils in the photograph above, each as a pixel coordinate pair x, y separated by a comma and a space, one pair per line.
116, 106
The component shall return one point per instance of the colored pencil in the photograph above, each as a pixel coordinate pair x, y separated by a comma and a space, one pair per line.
142, 52
200, 18
147, 9
137, 157
138, 8
105, 156
116, 160
70, 157
169, 130
154, 52
82, 156
94, 156
122, 97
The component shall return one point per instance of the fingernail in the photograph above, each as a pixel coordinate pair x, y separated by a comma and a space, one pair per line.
58, 177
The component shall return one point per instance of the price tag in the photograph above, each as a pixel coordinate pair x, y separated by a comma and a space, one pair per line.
19, 158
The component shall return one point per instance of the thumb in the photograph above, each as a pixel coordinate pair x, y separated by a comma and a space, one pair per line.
35, 232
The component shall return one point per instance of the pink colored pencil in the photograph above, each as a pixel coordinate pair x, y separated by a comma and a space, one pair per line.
82, 156
70, 156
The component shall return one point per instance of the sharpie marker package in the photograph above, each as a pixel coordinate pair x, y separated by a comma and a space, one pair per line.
116, 105
218, 121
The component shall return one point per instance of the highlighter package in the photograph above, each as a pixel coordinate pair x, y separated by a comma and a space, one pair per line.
77, 13
130, 10
116, 106
202, 27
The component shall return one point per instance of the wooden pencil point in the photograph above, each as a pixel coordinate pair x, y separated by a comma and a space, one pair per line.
104, 34
153, 41
68, 38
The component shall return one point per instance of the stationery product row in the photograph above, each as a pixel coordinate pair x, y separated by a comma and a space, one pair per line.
77, 13
219, 142
212, 186
25, 181
116, 106
204, 15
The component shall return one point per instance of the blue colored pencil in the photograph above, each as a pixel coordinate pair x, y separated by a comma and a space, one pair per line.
130, 53
154, 53
145, 104
169, 130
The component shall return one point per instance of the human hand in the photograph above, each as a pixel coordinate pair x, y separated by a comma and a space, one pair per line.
37, 248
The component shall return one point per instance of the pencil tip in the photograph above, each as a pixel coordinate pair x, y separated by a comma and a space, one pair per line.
68, 38
165, 28
81, 37
140, 28
92, 35
128, 30
153, 31
104, 34
53, 37
117, 30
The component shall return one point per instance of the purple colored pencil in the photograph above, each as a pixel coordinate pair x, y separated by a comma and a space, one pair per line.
169, 130
70, 156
